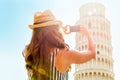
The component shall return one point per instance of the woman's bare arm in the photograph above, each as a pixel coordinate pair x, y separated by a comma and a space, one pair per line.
78, 57
65, 58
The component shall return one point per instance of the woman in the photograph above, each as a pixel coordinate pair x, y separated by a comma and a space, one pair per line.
48, 36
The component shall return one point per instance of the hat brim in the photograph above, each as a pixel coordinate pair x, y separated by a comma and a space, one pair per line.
49, 23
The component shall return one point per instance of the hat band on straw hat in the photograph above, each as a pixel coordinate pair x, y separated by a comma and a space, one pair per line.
41, 22
45, 23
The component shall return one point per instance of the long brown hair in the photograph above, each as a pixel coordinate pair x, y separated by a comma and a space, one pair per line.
43, 39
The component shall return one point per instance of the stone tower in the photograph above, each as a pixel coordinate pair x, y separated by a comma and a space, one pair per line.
92, 15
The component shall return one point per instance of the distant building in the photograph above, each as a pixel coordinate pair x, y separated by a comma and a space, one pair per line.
100, 68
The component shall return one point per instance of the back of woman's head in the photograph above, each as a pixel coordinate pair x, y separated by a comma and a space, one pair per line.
45, 38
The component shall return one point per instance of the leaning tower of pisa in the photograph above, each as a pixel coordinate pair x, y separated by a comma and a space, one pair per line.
92, 15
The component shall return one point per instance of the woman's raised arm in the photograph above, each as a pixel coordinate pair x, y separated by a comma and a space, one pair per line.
65, 58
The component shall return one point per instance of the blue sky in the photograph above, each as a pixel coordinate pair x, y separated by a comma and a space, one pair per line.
15, 16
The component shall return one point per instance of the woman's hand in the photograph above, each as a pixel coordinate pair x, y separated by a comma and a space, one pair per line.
84, 31
77, 28
66, 29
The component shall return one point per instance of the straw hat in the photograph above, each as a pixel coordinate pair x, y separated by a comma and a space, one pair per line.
43, 19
